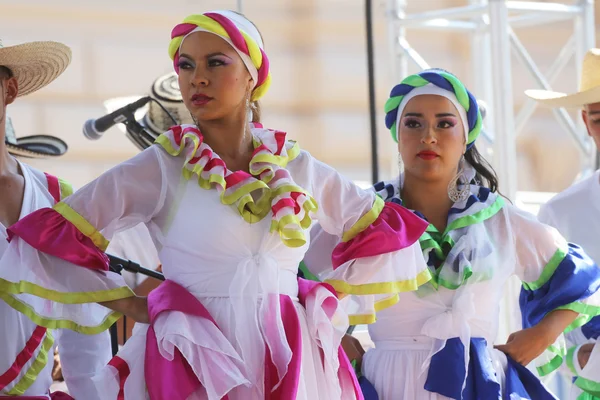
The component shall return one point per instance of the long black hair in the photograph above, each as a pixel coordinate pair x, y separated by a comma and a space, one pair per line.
485, 174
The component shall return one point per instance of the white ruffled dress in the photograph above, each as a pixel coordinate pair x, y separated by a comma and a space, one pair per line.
231, 240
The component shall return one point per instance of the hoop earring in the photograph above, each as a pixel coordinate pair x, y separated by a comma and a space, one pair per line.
454, 193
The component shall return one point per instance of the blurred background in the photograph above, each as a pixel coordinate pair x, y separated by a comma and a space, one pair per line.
319, 66
319, 95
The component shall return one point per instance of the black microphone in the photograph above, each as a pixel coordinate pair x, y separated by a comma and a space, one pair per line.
94, 128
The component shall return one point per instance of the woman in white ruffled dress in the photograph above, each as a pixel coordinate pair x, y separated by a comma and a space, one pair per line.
438, 342
228, 204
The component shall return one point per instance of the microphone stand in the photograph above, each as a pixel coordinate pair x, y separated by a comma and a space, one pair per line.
117, 265
138, 134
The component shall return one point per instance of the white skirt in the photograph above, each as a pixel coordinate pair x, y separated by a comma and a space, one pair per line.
397, 371
192, 336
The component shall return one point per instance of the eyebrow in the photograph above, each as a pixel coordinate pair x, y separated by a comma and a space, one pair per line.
593, 112
441, 115
218, 53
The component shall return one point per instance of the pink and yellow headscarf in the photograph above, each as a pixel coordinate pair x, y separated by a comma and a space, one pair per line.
240, 33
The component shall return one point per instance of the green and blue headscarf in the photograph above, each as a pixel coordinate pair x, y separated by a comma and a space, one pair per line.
436, 82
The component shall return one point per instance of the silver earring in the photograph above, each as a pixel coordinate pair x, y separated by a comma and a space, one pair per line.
400, 164
454, 193
249, 112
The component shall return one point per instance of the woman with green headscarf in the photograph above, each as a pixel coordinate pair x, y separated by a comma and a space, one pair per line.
438, 342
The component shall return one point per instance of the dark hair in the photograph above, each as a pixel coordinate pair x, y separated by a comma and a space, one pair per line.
5, 71
485, 173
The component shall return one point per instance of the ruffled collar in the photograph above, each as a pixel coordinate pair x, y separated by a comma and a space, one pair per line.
448, 254
268, 188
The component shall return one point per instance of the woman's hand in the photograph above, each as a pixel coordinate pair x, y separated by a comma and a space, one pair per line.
353, 349
133, 307
526, 345
583, 355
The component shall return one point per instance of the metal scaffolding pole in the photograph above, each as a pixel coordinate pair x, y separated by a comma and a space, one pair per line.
505, 151
491, 25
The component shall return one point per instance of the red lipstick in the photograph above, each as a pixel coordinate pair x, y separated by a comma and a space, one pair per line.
200, 99
428, 155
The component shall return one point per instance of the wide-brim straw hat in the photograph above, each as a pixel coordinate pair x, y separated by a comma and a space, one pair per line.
589, 87
34, 65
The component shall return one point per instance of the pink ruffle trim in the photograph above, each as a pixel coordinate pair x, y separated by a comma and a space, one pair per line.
394, 229
48, 231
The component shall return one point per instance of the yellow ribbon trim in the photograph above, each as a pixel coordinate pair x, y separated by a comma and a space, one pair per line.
365, 221
65, 188
292, 153
50, 323
36, 367
82, 225
366, 319
294, 237
65, 297
381, 287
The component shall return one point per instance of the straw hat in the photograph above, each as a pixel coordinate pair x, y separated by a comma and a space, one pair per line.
152, 117
589, 88
35, 64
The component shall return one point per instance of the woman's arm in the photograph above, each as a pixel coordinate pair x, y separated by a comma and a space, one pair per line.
353, 349
135, 307
583, 355
526, 345
63, 271
372, 247
558, 292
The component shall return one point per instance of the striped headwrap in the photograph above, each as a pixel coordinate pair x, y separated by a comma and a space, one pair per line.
240, 33
440, 83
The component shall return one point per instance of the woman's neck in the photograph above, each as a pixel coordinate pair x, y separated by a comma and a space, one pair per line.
429, 198
231, 139
8, 164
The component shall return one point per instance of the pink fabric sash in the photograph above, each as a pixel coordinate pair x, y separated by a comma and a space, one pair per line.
396, 228
123, 370
304, 288
23, 357
173, 379
288, 387
176, 380
48, 231
53, 186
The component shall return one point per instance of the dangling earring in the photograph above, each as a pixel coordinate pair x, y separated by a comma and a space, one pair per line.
400, 164
454, 193
249, 113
